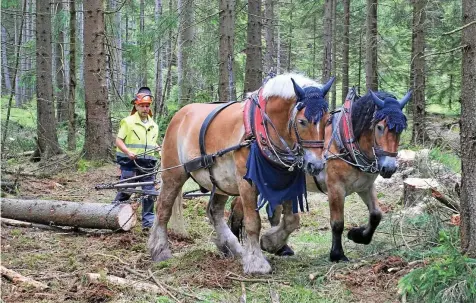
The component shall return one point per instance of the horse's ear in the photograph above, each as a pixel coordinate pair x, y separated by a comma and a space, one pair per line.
405, 99
327, 87
300, 94
379, 102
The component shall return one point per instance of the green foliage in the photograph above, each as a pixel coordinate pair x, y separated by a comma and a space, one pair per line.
85, 165
449, 276
447, 158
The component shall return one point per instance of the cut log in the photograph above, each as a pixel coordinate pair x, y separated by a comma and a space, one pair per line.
406, 158
142, 286
64, 213
445, 200
416, 190
20, 279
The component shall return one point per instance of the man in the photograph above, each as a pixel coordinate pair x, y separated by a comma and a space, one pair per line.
137, 150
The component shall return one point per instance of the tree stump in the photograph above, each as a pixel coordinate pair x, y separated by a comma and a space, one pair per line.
87, 215
416, 190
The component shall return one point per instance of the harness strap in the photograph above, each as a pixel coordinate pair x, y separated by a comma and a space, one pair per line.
317, 185
210, 159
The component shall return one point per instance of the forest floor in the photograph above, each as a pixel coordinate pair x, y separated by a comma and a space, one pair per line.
197, 271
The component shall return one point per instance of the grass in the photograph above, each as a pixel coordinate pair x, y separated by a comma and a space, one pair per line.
446, 158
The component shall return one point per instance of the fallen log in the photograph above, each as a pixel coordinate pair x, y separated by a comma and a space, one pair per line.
64, 213
454, 205
20, 279
17, 223
142, 286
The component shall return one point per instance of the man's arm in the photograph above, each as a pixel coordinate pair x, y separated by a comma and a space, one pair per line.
122, 146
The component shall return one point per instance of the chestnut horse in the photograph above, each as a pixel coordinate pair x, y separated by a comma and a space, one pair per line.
290, 124
361, 141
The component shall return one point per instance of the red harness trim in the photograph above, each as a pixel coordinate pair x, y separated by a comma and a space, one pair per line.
254, 126
347, 132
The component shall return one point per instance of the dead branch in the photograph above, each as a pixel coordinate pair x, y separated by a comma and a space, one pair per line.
18, 278
17, 223
257, 280
111, 256
454, 205
151, 274
459, 28
24, 154
69, 275
243, 293
96, 278
179, 291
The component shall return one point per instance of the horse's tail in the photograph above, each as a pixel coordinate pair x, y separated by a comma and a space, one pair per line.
235, 221
177, 221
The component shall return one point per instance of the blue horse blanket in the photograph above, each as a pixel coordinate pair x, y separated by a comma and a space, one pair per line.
275, 184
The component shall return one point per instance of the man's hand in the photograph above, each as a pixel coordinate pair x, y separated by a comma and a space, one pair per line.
131, 155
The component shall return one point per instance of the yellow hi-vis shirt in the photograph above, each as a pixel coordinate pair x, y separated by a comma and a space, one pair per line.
139, 137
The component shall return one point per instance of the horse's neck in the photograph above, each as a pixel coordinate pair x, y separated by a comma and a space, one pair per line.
279, 114
366, 142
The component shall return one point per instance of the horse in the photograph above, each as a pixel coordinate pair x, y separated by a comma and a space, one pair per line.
361, 142
213, 145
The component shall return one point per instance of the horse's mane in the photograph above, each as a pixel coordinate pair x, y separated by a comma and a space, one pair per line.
282, 86
364, 113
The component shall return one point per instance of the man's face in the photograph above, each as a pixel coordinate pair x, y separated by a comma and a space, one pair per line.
143, 110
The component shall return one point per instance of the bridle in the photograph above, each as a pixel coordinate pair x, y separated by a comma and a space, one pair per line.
288, 157
378, 150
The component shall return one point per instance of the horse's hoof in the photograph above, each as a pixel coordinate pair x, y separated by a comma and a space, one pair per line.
285, 251
356, 234
337, 257
256, 265
162, 256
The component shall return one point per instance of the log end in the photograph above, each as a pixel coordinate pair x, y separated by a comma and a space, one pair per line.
126, 218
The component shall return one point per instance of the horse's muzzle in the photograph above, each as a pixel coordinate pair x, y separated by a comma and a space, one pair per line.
388, 166
314, 168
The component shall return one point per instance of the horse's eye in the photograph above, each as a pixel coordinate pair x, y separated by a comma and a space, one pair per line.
302, 122
380, 128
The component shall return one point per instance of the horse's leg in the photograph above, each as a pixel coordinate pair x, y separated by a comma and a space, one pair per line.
363, 234
336, 197
253, 260
235, 220
275, 239
158, 243
226, 241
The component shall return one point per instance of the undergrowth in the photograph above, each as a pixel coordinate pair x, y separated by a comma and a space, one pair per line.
448, 277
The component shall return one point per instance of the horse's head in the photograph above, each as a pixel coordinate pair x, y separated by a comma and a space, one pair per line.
389, 122
310, 109
297, 106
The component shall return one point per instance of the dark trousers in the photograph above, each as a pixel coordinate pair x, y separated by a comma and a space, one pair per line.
147, 201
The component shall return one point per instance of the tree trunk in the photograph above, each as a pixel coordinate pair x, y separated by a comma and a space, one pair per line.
418, 85
158, 64
6, 70
468, 132
253, 68
185, 36
269, 23
46, 122
80, 48
72, 78
143, 48
371, 75
334, 55
64, 213
345, 50
61, 105
226, 87
98, 138
290, 38
327, 34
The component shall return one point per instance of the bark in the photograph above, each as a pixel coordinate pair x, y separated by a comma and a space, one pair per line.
64, 213
80, 44
327, 34
345, 50
46, 122
253, 68
185, 36
18, 40
143, 48
269, 24
371, 76
334, 55
72, 79
61, 105
6, 70
418, 85
159, 64
226, 86
17, 278
290, 38
98, 138
468, 132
